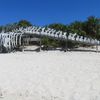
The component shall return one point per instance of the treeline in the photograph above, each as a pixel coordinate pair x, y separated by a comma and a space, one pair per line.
89, 28
16, 25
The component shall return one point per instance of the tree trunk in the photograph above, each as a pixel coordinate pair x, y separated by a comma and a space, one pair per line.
66, 45
40, 41
96, 47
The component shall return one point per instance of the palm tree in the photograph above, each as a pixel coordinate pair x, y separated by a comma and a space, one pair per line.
92, 27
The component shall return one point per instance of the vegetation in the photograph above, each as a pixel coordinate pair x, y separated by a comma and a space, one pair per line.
50, 43
10, 27
24, 23
89, 28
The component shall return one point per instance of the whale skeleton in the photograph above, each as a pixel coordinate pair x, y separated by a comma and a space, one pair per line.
11, 40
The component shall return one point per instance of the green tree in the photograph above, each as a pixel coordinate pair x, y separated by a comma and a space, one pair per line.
24, 23
77, 27
92, 27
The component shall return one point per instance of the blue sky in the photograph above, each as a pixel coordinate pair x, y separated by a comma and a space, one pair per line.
42, 12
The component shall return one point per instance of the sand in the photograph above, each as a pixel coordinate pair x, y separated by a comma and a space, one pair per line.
51, 75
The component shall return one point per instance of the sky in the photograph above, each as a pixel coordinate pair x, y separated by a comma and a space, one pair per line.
44, 12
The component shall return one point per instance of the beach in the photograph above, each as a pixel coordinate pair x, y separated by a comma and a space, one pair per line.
50, 75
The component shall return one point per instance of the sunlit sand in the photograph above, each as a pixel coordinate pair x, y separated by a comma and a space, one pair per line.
50, 75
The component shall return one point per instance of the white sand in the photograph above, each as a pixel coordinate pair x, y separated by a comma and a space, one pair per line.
50, 76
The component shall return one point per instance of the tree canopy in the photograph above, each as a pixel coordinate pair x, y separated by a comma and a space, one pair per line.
89, 27
10, 27
24, 23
